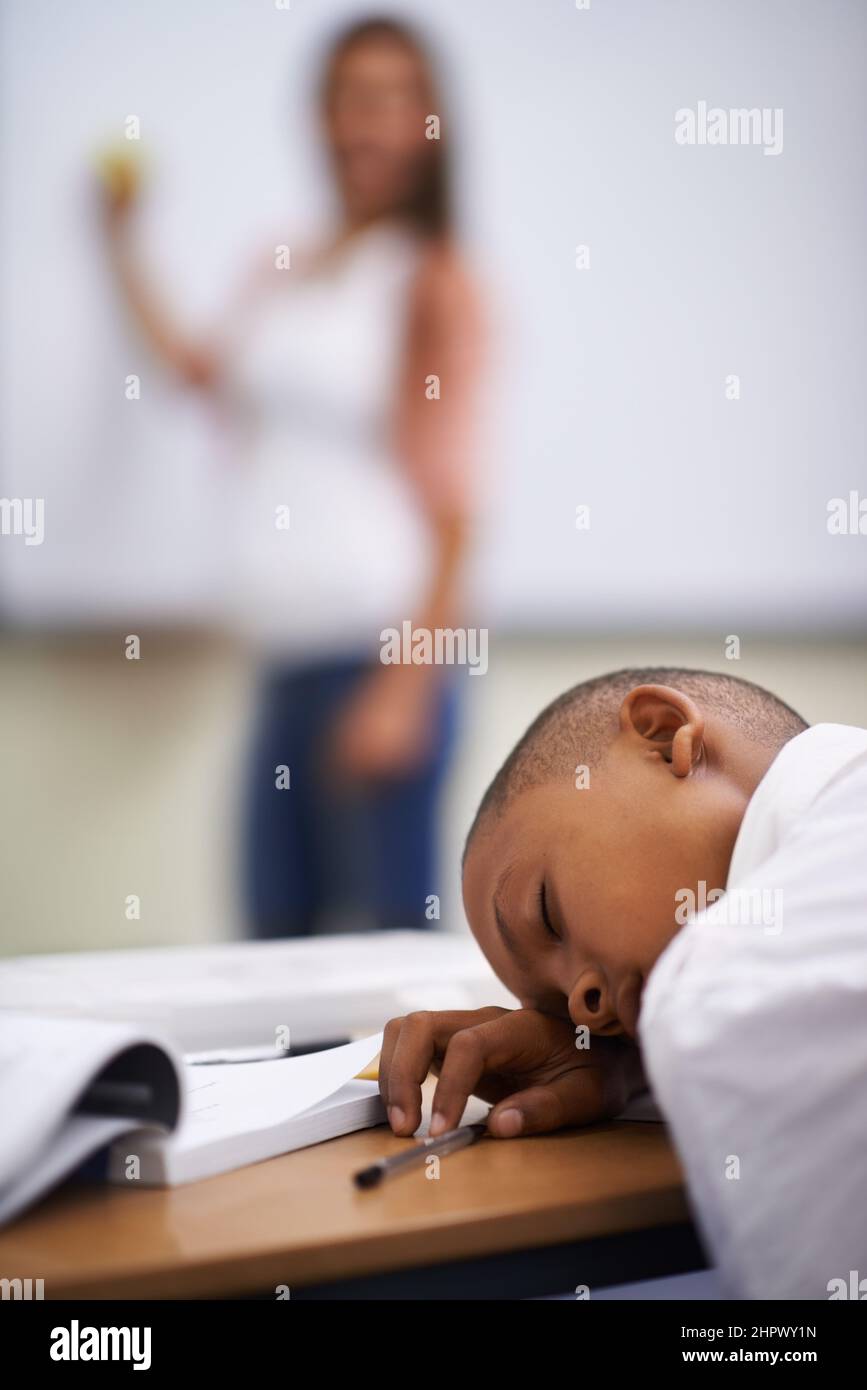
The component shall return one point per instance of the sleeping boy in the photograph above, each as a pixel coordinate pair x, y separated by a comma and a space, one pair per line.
669, 872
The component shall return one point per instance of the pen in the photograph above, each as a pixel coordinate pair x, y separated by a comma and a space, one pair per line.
447, 1143
265, 1053
268, 1053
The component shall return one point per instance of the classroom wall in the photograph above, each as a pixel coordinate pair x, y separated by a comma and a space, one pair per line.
609, 383
125, 777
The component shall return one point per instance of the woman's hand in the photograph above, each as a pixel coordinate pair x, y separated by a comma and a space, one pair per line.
119, 189
384, 729
525, 1062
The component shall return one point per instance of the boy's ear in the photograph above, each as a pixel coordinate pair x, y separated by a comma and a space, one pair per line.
668, 719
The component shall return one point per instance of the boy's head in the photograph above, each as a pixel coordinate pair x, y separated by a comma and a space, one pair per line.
570, 876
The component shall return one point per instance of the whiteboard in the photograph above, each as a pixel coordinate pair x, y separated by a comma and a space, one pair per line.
608, 383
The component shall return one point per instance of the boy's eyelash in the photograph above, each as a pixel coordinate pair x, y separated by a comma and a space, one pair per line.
543, 912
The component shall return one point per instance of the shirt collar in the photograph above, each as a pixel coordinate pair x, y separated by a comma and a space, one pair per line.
801, 770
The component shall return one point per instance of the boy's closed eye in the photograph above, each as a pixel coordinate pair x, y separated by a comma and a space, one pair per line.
545, 914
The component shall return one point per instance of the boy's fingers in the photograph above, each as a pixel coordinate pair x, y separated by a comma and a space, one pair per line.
421, 1037
575, 1098
408, 1066
389, 1039
512, 1042
470, 1053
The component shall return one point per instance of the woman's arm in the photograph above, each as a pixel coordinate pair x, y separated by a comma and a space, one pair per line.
436, 433
193, 363
385, 729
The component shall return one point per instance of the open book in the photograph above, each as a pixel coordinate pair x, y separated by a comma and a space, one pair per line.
70, 1087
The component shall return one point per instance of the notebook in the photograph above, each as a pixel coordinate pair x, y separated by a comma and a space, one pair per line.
72, 1086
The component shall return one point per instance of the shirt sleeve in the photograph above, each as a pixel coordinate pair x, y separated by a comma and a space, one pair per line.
754, 1037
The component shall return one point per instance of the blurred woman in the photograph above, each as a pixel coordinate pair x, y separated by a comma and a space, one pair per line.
351, 378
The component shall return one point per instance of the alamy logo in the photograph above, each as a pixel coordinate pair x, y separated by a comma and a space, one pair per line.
444, 646
76, 1343
739, 907
854, 1288
22, 1288
847, 516
740, 126
23, 516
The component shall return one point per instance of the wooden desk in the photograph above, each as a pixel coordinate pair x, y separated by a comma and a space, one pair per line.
299, 1220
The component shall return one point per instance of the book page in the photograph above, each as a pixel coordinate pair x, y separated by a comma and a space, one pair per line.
237, 1098
45, 1064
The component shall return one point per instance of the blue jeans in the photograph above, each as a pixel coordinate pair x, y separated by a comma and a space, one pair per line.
364, 856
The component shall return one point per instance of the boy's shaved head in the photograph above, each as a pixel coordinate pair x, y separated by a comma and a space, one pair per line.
571, 886
577, 728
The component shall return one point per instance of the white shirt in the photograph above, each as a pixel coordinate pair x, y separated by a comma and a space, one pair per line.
754, 1037
314, 378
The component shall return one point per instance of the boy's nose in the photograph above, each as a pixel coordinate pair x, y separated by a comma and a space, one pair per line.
591, 1003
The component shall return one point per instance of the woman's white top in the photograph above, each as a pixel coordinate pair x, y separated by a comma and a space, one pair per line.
328, 541
753, 1030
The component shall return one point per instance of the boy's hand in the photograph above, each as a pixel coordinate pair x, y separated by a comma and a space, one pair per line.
523, 1061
